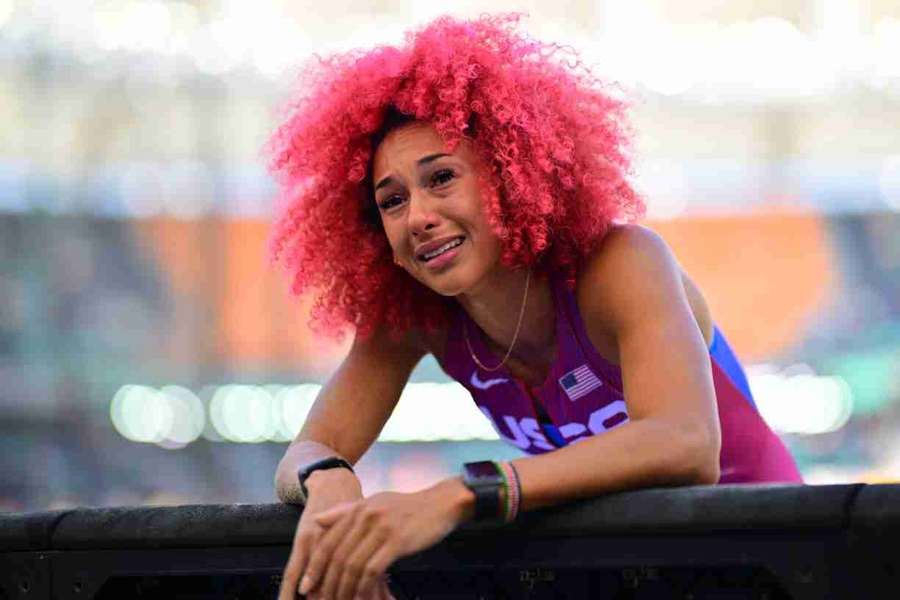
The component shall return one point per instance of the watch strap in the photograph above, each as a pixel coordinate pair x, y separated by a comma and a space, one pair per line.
332, 462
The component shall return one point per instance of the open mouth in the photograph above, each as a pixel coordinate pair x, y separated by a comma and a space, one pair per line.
437, 252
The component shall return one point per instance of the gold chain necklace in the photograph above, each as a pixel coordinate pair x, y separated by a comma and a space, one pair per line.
515, 335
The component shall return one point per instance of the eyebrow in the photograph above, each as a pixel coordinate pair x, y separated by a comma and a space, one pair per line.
422, 161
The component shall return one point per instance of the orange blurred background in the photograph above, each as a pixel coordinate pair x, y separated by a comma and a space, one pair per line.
774, 269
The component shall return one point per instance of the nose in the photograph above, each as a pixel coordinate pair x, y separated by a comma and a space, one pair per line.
422, 215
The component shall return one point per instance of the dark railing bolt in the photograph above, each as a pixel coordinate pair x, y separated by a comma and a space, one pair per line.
24, 586
76, 587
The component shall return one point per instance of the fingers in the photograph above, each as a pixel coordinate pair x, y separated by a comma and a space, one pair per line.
387, 592
358, 575
382, 590
315, 575
374, 577
304, 540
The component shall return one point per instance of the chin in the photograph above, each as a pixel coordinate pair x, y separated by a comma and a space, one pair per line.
447, 284
448, 289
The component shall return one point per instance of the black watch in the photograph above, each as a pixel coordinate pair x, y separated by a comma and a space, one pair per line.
332, 462
485, 480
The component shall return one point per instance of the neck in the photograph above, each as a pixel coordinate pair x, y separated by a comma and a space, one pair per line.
494, 306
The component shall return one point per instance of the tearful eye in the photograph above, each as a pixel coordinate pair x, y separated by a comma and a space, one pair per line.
442, 177
389, 202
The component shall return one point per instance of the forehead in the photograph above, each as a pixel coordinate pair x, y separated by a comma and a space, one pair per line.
403, 146
416, 137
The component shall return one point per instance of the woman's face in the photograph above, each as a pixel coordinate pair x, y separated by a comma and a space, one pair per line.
430, 205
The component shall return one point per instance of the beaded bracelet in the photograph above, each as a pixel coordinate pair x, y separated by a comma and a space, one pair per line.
518, 491
513, 490
507, 484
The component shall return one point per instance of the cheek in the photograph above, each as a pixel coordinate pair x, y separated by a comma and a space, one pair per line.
395, 239
475, 219
390, 232
486, 244
472, 209
491, 245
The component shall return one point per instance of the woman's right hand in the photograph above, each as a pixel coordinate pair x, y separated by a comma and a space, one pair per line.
326, 488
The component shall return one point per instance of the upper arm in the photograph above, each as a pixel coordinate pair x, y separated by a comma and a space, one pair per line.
632, 289
354, 405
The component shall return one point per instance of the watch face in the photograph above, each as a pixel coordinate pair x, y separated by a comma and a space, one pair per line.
482, 472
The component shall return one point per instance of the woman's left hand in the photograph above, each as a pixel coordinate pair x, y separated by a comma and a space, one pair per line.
365, 537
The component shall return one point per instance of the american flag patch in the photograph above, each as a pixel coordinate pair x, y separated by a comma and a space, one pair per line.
579, 382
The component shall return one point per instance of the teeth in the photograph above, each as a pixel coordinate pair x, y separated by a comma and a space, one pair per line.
442, 249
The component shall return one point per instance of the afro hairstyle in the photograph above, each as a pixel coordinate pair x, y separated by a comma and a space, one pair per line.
553, 139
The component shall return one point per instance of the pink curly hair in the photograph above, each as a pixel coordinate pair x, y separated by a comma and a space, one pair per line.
552, 142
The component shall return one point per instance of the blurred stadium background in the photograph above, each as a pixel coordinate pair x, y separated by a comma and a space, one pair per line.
150, 355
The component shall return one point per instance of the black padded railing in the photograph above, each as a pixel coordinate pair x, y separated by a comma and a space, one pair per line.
762, 542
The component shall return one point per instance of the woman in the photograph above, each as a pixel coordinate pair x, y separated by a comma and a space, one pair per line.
465, 195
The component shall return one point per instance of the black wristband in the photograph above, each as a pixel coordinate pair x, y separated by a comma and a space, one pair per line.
332, 462
485, 481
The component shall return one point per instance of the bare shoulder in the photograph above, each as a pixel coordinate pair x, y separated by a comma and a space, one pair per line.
629, 260
622, 245
632, 273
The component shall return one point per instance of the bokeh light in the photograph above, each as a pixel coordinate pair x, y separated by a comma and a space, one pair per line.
174, 416
801, 403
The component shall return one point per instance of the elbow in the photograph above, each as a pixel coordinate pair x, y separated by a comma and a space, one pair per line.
705, 448
707, 473
280, 491
286, 483
695, 460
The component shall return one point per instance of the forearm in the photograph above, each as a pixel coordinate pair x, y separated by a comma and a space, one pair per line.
638, 454
287, 487
635, 455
